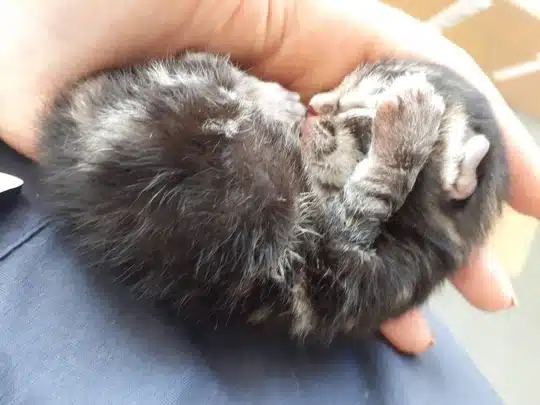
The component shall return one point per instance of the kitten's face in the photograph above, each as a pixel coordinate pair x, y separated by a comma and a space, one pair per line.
333, 143
337, 137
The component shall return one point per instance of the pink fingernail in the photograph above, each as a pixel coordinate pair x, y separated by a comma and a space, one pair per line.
504, 282
513, 302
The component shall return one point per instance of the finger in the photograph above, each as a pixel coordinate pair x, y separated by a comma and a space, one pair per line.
408, 333
524, 163
484, 284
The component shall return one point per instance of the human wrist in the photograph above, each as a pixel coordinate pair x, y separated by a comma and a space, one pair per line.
47, 45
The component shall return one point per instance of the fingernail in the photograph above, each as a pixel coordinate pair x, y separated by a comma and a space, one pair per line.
503, 281
513, 302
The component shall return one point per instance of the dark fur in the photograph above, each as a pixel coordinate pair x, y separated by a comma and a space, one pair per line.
224, 219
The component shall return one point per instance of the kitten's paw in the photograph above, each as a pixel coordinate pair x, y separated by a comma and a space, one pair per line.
407, 121
334, 102
280, 103
463, 183
325, 103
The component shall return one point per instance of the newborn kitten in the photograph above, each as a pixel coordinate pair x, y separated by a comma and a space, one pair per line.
205, 188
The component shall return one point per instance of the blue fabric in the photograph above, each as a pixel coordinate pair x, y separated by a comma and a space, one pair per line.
69, 337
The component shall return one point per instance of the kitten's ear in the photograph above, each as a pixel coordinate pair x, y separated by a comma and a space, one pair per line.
476, 149
325, 103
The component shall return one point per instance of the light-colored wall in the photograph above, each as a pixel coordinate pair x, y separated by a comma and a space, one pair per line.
512, 238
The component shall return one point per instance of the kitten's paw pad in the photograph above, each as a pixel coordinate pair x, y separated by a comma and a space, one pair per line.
333, 102
324, 103
466, 181
358, 100
407, 121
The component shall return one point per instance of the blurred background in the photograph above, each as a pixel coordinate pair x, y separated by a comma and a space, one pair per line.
504, 38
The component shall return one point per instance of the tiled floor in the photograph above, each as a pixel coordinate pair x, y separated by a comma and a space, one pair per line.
505, 346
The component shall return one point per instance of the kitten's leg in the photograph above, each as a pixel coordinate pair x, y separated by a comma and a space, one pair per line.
405, 128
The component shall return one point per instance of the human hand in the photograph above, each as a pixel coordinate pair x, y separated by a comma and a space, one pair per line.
307, 45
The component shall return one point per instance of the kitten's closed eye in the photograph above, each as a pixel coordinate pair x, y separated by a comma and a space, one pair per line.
358, 122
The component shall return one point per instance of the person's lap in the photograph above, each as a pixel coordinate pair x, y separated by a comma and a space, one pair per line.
67, 337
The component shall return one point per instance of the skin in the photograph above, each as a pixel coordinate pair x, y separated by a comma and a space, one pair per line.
307, 45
